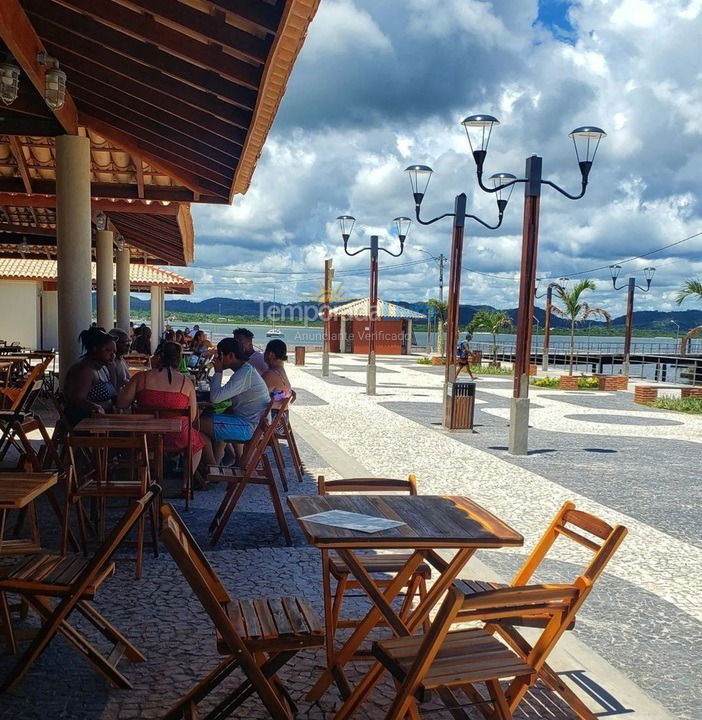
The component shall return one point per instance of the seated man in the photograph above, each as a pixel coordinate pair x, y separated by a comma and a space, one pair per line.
255, 357
247, 392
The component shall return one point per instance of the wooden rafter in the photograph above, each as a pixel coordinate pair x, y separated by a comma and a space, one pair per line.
121, 206
18, 154
262, 15
140, 176
23, 42
26, 230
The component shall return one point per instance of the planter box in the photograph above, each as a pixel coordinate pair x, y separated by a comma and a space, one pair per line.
691, 392
613, 382
437, 360
532, 370
495, 364
569, 382
644, 394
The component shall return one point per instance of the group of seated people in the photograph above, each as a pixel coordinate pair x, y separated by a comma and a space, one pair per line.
100, 382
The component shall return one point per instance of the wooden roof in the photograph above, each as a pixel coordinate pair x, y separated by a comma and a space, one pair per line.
141, 277
177, 96
161, 234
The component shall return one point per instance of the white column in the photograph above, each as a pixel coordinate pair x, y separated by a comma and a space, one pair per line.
72, 245
156, 319
104, 279
409, 336
123, 289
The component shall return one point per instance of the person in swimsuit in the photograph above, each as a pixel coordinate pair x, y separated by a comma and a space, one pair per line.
119, 370
463, 356
276, 379
88, 388
166, 388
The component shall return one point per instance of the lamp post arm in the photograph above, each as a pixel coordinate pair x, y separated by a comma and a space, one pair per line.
356, 252
392, 253
484, 224
499, 187
621, 287
564, 192
638, 287
430, 222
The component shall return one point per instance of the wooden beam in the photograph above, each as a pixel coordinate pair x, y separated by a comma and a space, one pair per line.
140, 176
26, 230
205, 27
264, 16
23, 42
134, 147
18, 153
144, 27
122, 206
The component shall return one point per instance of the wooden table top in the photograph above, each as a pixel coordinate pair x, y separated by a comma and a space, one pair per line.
124, 423
432, 521
19, 489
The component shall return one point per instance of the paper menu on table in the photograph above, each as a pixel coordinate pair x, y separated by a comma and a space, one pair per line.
353, 521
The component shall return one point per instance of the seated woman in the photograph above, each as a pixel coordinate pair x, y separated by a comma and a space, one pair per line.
276, 379
142, 343
119, 369
166, 388
88, 388
201, 345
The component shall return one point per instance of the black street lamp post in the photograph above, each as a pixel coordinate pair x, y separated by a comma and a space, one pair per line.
419, 176
346, 223
631, 287
586, 140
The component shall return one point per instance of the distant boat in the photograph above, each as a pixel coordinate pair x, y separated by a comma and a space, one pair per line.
171, 319
222, 320
274, 332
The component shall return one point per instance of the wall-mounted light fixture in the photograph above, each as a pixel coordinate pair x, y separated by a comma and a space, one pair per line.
54, 81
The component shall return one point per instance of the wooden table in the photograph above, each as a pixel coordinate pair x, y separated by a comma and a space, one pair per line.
105, 424
17, 491
432, 523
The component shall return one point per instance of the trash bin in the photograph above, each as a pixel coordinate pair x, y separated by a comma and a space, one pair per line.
299, 355
460, 400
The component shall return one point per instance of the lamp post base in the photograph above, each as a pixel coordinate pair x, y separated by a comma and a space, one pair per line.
519, 426
625, 368
544, 362
370, 375
325, 364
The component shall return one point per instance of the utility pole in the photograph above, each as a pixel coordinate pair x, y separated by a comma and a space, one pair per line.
328, 276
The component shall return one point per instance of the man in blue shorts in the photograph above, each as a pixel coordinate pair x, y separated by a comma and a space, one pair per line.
248, 394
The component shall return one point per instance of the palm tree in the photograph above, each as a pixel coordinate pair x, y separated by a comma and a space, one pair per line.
577, 310
493, 322
691, 289
440, 309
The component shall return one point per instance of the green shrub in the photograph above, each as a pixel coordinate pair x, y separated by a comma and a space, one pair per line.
687, 405
547, 382
424, 361
490, 370
588, 383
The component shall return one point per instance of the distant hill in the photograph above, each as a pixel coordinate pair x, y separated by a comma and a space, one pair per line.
240, 307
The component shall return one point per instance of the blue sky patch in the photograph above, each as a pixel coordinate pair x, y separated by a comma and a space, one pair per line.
553, 15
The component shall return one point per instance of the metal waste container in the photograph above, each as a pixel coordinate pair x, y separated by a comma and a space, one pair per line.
299, 355
460, 405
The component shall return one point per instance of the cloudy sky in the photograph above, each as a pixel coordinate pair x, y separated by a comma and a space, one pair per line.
381, 85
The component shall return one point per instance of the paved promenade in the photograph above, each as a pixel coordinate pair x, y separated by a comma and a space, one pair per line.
631, 465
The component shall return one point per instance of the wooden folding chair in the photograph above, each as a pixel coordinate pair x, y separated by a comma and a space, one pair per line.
385, 564
255, 470
259, 636
19, 402
119, 468
73, 580
447, 662
285, 432
570, 523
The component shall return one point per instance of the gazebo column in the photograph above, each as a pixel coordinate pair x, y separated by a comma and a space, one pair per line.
104, 278
409, 336
156, 318
73, 255
123, 289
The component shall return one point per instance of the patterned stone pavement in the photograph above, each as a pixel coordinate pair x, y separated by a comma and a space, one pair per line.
641, 627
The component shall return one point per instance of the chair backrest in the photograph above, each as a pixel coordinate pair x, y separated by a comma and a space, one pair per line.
30, 388
367, 485
572, 523
102, 451
256, 447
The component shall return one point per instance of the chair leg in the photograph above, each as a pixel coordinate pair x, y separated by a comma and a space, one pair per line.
294, 452
154, 522
6, 620
502, 711
225, 511
141, 527
341, 584
274, 445
109, 631
280, 513
422, 594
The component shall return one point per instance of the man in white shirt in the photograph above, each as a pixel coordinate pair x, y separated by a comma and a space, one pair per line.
248, 394
255, 357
